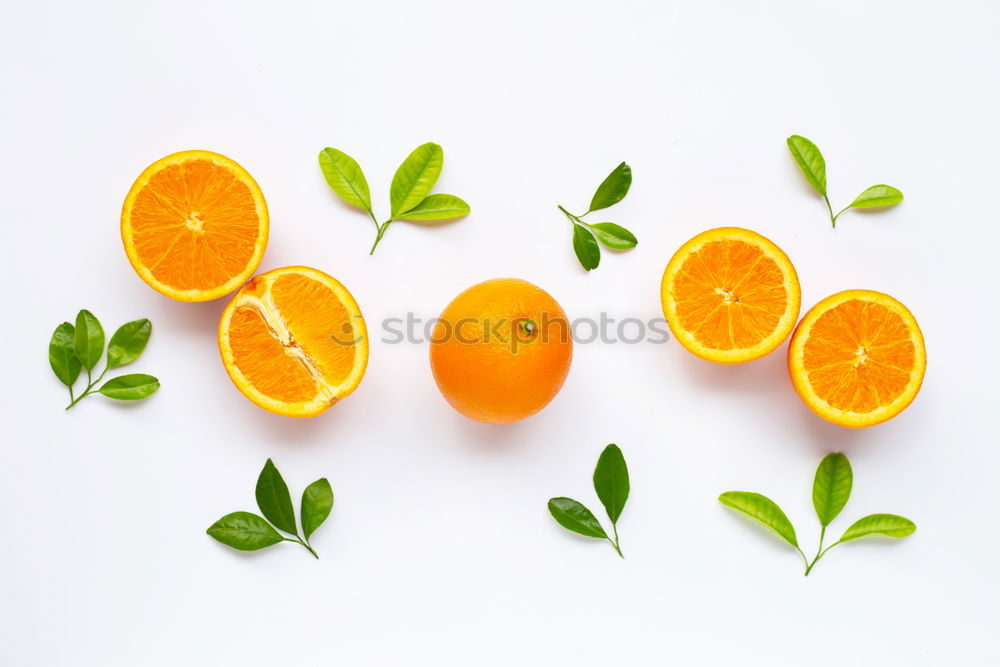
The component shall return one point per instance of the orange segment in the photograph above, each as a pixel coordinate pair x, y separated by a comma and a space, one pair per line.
857, 358
293, 341
314, 315
730, 295
194, 225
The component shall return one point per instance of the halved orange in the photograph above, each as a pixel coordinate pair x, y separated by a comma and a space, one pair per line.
857, 358
730, 295
293, 341
194, 225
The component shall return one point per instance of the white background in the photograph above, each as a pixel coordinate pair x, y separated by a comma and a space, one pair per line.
439, 550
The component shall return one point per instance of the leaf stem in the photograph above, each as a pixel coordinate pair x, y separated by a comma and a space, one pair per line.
833, 218
381, 231
819, 549
311, 550
574, 218
78, 399
838, 214
298, 541
86, 392
805, 560
821, 552
616, 541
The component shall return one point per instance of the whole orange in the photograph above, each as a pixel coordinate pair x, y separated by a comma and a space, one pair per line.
501, 350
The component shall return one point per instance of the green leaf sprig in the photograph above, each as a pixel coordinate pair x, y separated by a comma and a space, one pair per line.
247, 531
586, 235
80, 347
409, 194
831, 489
612, 486
811, 161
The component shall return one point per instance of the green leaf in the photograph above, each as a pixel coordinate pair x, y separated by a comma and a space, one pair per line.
415, 178
128, 342
832, 487
274, 500
437, 207
764, 510
244, 531
587, 250
611, 481
573, 516
88, 339
344, 175
810, 161
878, 195
613, 189
131, 387
889, 525
614, 236
62, 354
317, 501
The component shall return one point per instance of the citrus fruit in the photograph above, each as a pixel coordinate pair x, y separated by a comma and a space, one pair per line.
730, 295
501, 350
194, 225
857, 358
293, 341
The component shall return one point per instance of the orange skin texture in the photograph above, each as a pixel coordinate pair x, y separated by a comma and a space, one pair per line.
488, 362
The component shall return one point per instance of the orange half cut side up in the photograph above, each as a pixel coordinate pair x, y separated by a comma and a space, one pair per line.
194, 225
730, 295
857, 358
